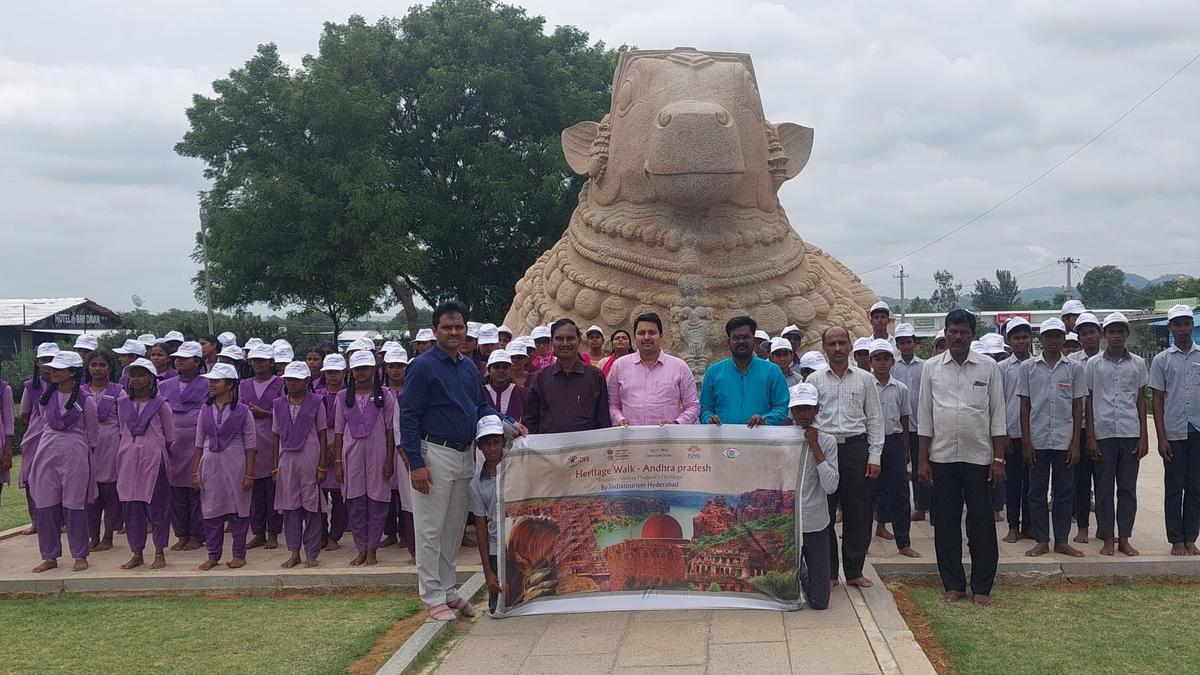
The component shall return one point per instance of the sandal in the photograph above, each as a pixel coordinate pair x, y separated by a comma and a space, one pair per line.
463, 605
441, 612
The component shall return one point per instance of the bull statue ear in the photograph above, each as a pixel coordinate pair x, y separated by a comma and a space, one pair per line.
797, 144
577, 145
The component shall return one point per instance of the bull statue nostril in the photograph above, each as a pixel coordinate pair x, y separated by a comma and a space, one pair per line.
722, 118
664, 118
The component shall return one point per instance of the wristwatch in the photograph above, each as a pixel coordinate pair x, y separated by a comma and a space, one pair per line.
1000, 460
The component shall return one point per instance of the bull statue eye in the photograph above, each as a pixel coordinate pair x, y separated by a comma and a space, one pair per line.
625, 97
722, 118
664, 118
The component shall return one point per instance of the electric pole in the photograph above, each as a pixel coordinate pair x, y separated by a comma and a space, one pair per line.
903, 310
1071, 263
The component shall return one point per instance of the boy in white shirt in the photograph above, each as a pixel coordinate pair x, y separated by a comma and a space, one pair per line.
819, 480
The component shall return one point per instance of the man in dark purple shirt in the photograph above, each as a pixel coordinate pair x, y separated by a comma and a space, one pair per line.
567, 395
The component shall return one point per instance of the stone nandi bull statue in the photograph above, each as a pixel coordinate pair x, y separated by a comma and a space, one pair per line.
680, 215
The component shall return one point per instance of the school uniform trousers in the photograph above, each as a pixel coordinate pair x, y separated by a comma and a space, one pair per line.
1016, 487
854, 495
814, 577
1181, 478
1051, 464
1087, 474
1116, 475
893, 499
439, 519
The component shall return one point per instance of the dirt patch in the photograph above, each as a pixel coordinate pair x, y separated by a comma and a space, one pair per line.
387, 644
921, 629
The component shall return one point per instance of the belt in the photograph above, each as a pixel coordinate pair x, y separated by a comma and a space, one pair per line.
843, 439
461, 447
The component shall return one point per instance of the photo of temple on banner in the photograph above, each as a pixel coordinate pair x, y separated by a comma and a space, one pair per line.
652, 540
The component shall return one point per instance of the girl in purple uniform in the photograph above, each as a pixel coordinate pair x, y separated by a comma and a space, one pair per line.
6, 432
259, 394
399, 524
107, 506
146, 430
315, 359
300, 452
366, 456
31, 413
333, 370
186, 392
223, 465
60, 473
161, 358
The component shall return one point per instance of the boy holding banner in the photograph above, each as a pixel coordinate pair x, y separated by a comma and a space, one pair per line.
820, 479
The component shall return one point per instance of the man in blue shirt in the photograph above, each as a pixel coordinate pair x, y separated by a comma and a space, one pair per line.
742, 389
443, 400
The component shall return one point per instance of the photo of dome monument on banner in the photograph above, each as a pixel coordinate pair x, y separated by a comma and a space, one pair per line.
669, 517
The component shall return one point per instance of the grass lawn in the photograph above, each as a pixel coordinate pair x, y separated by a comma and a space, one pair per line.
304, 634
1148, 628
13, 511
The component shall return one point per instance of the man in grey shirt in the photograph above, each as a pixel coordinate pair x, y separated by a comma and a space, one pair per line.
1087, 328
1019, 335
1052, 389
1175, 379
1116, 422
908, 370
960, 421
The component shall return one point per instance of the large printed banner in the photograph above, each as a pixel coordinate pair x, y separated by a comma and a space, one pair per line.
672, 517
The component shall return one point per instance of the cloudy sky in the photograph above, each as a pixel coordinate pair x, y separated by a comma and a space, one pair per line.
926, 114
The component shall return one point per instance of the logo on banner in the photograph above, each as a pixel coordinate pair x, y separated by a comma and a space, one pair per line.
576, 460
693, 452
731, 453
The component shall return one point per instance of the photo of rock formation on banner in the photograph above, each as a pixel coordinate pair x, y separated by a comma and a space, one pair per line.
637, 540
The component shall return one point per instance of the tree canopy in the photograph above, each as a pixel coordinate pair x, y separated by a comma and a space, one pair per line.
998, 296
945, 296
418, 155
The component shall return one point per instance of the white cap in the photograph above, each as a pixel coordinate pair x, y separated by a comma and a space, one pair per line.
515, 350
761, 334
361, 344
905, 330
878, 346
780, 343
881, 305
333, 362
281, 343
147, 339
473, 329
130, 348
802, 394
173, 336
297, 370
1052, 324
977, 347
396, 355
1072, 337
993, 343
941, 335
1115, 317
50, 349
862, 344
261, 352
813, 360
390, 344
525, 341
1086, 318
1072, 307
67, 360
221, 371
1177, 311
362, 358
252, 343
424, 335
790, 328
87, 342
189, 350
540, 332
227, 339
145, 365
594, 329
505, 329
1016, 322
499, 356
488, 335
232, 352
488, 425
283, 353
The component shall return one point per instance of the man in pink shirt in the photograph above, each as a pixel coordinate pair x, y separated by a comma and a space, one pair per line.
651, 386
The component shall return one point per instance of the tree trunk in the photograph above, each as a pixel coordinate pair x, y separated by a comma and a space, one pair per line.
337, 324
404, 293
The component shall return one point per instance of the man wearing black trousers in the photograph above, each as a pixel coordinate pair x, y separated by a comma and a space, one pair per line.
963, 436
1016, 504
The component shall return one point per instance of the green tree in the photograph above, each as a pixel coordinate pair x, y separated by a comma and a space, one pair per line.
919, 305
945, 296
998, 296
1104, 286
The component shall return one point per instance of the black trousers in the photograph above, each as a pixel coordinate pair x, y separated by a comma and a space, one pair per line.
1181, 477
1016, 479
1051, 468
892, 488
492, 597
1116, 469
854, 494
1087, 474
920, 491
956, 484
814, 573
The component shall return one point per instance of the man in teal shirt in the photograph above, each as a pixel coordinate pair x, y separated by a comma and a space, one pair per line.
742, 389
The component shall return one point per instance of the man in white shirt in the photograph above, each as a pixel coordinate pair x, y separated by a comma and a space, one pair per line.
963, 436
818, 482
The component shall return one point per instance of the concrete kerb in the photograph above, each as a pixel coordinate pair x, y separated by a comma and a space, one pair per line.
899, 651
421, 642
12, 532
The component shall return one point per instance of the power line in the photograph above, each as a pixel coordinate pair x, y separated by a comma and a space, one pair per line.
1045, 173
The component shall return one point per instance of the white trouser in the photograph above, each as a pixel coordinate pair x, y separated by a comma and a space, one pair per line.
439, 519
